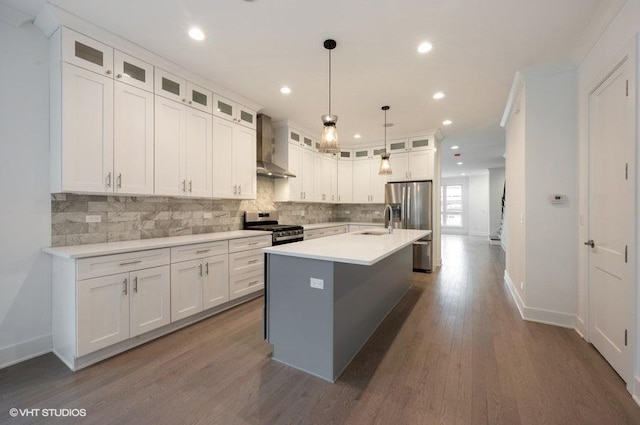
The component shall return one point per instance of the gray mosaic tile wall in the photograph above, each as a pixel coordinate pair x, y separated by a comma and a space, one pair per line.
359, 213
132, 218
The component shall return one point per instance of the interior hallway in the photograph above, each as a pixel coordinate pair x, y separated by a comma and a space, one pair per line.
454, 351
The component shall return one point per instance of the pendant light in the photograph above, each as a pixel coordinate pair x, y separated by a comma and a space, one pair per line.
329, 141
385, 165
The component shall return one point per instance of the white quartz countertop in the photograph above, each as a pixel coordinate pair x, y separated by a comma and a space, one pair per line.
93, 250
338, 223
352, 248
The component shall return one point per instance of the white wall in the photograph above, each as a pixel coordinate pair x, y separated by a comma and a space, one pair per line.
551, 168
496, 189
601, 58
478, 205
25, 273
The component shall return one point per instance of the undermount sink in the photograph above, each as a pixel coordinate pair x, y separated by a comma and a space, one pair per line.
374, 232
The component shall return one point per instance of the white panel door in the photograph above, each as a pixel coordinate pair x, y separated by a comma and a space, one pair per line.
170, 133
223, 178
611, 215
133, 140
307, 174
186, 289
103, 312
345, 181
377, 181
295, 166
215, 285
150, 299
244, 144
421, 165
87, 131
198, 153
399, 166
361, 181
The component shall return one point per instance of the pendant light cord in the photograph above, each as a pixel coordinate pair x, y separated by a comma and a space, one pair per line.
385, 131
329, 82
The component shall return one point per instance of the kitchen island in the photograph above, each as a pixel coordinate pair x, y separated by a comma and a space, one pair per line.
325, 297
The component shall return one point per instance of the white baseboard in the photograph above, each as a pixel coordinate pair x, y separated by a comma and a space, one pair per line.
580, 328
548, 317
483, 234
25, 350
636, 396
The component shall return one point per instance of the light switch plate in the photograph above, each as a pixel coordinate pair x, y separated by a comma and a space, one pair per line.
92, 218
317, 283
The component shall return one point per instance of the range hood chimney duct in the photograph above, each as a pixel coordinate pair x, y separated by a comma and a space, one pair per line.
265, 149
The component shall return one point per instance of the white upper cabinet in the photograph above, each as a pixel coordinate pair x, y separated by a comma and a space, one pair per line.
399, 166
170, 86
421, 165
228, 109
133, 71
345, 181
421, 143
133, 141
86, 52
234, 161
199, 98
82, 133
183, 150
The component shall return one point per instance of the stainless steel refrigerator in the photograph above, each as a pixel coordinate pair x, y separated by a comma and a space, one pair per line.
411, 208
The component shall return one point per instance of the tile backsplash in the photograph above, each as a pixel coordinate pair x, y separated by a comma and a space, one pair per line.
132, 218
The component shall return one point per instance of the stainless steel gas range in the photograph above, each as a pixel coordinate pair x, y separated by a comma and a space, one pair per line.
268, 221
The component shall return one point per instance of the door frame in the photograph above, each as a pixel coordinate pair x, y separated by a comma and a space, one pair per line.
628, 54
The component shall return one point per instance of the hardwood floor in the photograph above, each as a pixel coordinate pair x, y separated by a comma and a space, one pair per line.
454, 351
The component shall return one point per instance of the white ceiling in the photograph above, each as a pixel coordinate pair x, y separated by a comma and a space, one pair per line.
255, 47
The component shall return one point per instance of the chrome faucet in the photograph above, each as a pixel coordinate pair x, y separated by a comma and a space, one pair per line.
384, 215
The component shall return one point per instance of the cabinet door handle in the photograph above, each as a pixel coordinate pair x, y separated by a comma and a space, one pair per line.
109, 179
119, 76
131, 262
189, 102
190, 186
207, 269
108, 72
119, 181
184, 100
253, 282
253, 261
124, 287
239, 189
200, 269
135, 284
253, 243
301, 197
184, 186
235, 189
202, 251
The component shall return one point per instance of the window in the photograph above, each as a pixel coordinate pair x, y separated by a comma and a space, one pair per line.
451, 206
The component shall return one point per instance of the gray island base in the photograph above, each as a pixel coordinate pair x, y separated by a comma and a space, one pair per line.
319, 327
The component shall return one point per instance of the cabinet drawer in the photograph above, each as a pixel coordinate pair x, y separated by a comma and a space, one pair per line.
315, 233
245, 244
201, 250
244, 284
335, 230
246, 262
119, 263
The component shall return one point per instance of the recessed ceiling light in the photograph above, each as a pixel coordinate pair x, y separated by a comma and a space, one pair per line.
464, 174
357, 136
285, 90
447, 122
438, 95
459, 163
455, 147
424, 47
196, 33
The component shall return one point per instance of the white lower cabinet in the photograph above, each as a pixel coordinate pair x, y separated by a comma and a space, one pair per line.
197, 285
107, 304
324, 232
121, 306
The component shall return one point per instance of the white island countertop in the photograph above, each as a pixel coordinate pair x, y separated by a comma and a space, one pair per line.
353, 248
339, 223
108, 248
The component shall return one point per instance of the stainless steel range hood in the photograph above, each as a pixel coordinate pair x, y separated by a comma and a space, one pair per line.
265, 149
